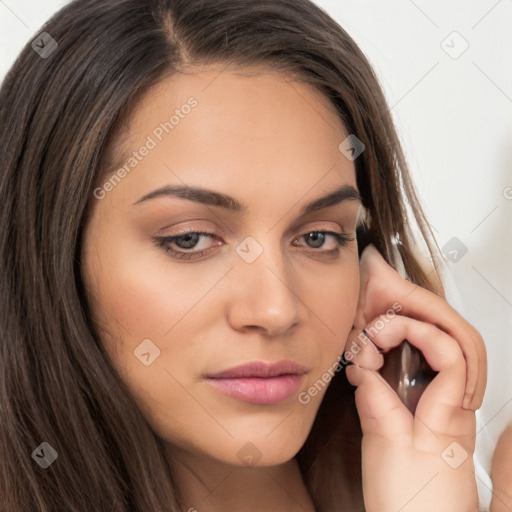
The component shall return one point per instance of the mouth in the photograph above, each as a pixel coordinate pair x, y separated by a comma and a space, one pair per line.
259, 382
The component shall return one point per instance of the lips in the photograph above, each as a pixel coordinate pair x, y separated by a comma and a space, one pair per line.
259, 382
261, 369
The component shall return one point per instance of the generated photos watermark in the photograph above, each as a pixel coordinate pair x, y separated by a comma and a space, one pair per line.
152, 141
356, 346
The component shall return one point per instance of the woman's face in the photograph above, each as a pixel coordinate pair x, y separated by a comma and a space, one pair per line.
248, 158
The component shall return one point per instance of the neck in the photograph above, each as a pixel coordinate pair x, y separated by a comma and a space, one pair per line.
208, 485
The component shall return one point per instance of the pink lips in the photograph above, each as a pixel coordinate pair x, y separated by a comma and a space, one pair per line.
260, 383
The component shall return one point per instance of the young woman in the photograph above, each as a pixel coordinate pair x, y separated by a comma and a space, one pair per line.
183, 187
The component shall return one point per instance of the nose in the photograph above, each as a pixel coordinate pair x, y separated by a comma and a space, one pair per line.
268, 295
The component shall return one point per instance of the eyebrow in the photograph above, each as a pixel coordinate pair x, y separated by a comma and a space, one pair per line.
213, 198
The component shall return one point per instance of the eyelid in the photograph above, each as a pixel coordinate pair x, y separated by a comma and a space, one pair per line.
212, 229
318, 227
189, 228
213, 234
342, 239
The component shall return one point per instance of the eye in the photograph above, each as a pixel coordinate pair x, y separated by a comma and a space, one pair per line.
181, 246
185, 241
317, 239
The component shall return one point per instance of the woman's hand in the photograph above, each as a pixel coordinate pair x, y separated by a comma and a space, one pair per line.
420, 463
501, 473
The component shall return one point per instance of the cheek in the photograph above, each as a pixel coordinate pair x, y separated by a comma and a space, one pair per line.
143, 296
332, 298
333, 303
142, 302
145, 304
135, 302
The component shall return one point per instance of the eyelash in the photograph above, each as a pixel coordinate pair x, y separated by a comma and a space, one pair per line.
164, 243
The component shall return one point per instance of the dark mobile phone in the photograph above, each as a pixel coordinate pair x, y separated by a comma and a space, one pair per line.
405, 368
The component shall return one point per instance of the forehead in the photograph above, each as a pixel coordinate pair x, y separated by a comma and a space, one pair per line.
242, 129
255, 86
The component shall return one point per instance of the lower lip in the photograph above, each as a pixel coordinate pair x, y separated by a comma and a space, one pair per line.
259, 390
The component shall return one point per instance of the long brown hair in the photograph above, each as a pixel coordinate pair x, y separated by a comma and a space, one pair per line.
57, 120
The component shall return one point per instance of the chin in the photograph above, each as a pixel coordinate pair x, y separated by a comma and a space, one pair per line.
261, 451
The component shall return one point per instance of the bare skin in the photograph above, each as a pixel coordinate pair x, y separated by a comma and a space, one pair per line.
273, 146
501, 473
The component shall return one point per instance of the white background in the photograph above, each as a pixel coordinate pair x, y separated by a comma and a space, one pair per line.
454, 116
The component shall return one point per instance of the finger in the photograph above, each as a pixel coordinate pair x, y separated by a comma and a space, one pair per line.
382, 288
380, 410
360, 350
440, 404
412, 300
440, 350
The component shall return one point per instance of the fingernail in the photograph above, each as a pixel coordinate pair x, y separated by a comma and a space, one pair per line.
367, 335
370, 339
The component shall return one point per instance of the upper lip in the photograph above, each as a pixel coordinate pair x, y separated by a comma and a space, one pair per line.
262, 369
